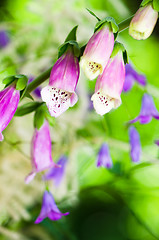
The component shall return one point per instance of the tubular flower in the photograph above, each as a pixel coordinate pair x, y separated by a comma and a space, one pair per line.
49, 209
60, 94
56, 174
131, 76
143, 23
135, 146
109, 85
104, 158
40, 151
9, 99
148, 110
98, 51
4, 39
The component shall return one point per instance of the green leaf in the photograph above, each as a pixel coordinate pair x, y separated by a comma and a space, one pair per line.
39, 117
72, 34
110, 20
156, 5
21, 82
119, 46
8, 80
93, 14
29, 96
144, 2
62, 49
27, 108
50, 119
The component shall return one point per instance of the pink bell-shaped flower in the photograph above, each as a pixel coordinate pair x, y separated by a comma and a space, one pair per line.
9, 99
60, 94
41, 158
98, 51
109, 85
143, 23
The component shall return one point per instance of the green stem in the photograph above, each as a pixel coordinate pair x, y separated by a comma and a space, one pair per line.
124, 24
37, 81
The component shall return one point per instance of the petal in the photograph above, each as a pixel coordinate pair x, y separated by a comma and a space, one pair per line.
129, 81
102, 103
134, 144
54, 216
57, 100
1, 137
104, 158
30, 177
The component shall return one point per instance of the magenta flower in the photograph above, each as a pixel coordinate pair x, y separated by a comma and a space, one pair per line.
4, 39
40, 151
49, 209
56, 174
135, 145
104, 159
60, 94
9, 99
148, 110
98, 51
109, 85
143, 23
131, 76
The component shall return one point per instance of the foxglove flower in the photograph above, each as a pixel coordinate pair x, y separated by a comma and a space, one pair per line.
40, 151
143, 23
60, 94
4, 39
37, 91
9, 99
104, 159
131, 76
49, 209
98, 51
56, 174
135, 146
148, 110
109, 85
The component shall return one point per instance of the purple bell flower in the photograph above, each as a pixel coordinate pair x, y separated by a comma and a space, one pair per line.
135, 144
49, 209
56, 174
40, 151
60, 94
148, 110
4, 39
104, 159
9, 99
131, 76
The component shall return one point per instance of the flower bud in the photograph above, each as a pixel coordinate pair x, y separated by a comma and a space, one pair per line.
143, 23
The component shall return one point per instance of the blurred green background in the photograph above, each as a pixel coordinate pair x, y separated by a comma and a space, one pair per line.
117, 204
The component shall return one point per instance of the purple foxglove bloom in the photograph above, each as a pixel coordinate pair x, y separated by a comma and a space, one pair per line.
9, 99
98, 51
40, 151
135, 145
131, 76
104, 159
37, 91
109, 85
148, 110
49, 209
143, 23
56, 174
60, 94
4, 39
